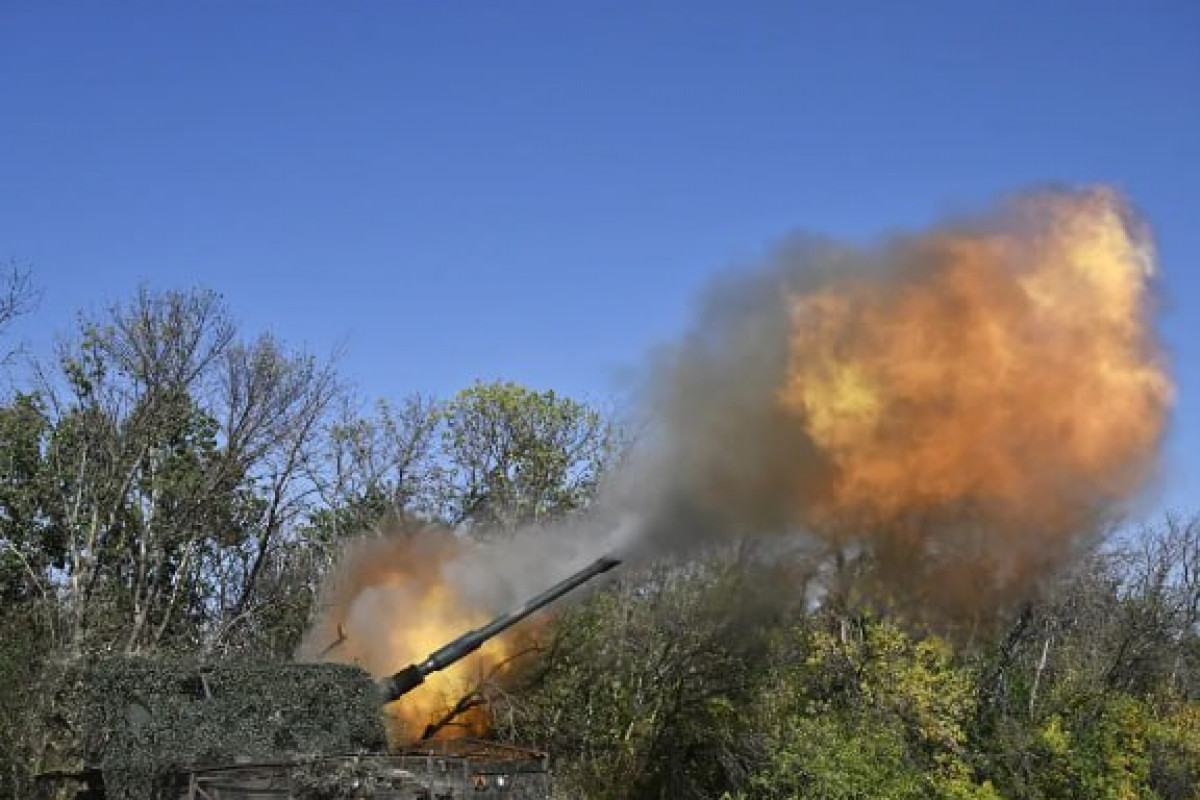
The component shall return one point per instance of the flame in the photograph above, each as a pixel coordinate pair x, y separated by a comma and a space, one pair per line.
393, 607
989, 389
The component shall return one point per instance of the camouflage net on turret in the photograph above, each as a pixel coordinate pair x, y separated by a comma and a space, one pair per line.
142, 722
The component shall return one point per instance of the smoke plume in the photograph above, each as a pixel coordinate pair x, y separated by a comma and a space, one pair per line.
963, 405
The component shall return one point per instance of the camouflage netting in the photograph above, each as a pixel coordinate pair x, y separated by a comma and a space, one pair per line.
141, 721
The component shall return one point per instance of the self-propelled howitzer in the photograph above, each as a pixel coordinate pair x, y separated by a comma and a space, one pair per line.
414, 675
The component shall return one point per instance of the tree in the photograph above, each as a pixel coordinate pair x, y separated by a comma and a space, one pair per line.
27, 547
517, 456
379, 470
496, 456
642, 690
866, 710
22, 560
171, 460
24, 642
275, 405
1093, 690
18, 296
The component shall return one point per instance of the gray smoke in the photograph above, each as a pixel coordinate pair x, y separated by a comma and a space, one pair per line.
931, 400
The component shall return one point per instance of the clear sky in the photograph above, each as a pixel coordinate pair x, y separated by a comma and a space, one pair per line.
537, 191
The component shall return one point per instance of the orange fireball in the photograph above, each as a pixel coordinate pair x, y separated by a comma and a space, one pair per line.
986, 392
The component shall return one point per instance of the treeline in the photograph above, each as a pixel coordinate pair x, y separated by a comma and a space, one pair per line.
733, 678
171, 484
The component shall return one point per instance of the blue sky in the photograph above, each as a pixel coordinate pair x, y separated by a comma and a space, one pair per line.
538, 191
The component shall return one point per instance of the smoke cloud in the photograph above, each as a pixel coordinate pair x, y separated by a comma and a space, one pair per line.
965, 405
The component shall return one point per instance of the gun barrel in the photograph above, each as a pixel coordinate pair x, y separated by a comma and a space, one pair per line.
414, 675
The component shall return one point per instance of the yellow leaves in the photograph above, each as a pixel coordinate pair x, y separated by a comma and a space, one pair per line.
1054, 738
1173, 740
918, 681
962, 787
1098, 752
871, 712
872, 679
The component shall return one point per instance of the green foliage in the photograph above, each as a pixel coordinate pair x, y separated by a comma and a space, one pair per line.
495, 456
836, 758
868, 711
1173, 746
384, 470
24, 642
645, 688
170, 486
28, 543
1099, 752
520, 456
